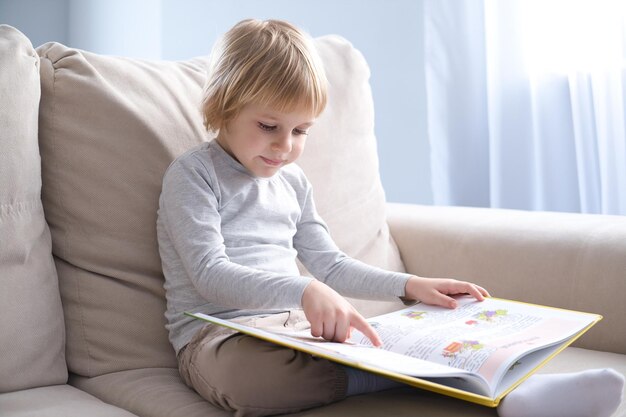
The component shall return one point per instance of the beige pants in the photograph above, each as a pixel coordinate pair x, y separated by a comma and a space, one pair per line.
252, 377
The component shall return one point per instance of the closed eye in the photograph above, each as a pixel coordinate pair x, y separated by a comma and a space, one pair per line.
300, 132
267, 128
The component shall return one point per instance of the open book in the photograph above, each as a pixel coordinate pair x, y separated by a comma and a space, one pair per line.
477, 352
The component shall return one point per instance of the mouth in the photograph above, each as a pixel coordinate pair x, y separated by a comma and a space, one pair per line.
272, 162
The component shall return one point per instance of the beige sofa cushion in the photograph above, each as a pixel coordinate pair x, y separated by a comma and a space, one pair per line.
341, 159
109, 128
57, 401
567, 260
153, 392
31, 318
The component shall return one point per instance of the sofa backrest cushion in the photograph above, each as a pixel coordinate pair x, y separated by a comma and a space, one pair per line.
109, 127
32, 335
341, 159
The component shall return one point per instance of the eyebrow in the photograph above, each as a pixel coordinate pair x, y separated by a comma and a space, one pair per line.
276, 119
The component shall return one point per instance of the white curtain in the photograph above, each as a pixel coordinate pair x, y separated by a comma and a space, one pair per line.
526, 103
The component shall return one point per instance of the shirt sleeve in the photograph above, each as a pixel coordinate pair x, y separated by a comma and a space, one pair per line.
349, 277
189, 208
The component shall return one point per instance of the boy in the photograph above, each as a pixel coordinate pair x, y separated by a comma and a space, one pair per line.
234, 214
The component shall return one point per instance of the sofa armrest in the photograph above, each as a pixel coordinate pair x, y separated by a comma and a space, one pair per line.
574, 261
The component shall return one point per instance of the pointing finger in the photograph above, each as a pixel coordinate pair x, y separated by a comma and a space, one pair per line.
476, 291
364, 327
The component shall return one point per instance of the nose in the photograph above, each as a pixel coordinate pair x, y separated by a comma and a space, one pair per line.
284, 143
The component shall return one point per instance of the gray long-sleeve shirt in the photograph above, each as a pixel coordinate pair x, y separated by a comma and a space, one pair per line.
229, 240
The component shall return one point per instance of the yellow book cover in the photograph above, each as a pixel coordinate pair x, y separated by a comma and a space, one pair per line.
478, 352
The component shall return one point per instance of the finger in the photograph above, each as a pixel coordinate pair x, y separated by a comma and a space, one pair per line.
440, 299
317, 328
475, 292
483, 291
342, 331
329, 331
364, 327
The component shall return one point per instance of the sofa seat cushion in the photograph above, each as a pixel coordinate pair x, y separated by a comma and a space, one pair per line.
56, 401
32, 337
159, 392
148, 392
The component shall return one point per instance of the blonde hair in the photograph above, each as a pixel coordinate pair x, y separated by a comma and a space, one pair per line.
270, 63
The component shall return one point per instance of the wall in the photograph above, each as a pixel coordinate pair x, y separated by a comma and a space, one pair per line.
40, 20
388, 33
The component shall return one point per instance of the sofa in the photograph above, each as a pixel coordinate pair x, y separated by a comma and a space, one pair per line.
84, 142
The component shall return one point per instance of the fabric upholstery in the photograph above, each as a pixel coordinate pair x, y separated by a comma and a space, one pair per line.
109, 127
341, 161
155, 392
56, 401
562, 260
31, 317
161, 393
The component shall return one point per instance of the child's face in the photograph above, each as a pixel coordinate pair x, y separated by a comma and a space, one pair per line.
264, 140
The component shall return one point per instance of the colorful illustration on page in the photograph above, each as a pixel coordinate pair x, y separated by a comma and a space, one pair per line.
457, 348
491, 315
415, 315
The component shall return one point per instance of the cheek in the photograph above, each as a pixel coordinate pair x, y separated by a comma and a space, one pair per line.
298, 148
297, 151
255, 141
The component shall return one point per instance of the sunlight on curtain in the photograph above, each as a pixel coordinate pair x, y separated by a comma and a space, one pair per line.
526, 104
565, 36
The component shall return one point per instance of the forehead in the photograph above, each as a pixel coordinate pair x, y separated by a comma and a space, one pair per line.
296, 116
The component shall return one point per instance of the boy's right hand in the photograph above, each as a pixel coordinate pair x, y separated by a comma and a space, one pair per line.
332, 316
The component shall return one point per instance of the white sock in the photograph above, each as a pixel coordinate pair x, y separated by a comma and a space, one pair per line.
361, 382
592, 393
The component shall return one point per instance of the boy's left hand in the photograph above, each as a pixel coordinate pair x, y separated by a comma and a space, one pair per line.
436, 291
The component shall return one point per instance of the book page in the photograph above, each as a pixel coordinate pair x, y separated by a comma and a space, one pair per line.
360, 356
471, 348
485, 338
406, 365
